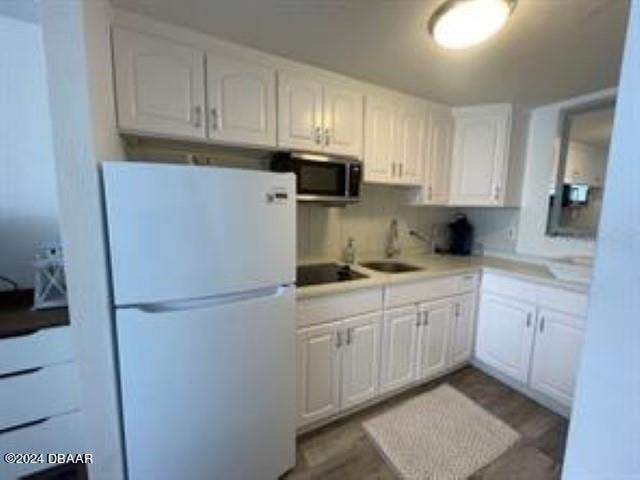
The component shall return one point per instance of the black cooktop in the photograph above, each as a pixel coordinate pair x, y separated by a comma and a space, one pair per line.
325, 273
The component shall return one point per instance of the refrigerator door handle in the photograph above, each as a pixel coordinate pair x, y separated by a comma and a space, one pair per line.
224, 299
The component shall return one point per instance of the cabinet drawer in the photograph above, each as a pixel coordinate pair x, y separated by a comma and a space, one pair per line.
563, 300
312, 311
41, 348
38, 394
416, 292
509, 287
61, 434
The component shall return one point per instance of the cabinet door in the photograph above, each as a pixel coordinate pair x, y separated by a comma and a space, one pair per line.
159, 86
318, 373
241, 101
411, 145
360, 359
380, 163
462, 331
343, 117
505, 335
433, 338
556, 355
438, 163
479, 157
398, 348
299, 112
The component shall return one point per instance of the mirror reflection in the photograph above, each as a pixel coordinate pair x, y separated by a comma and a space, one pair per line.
575, 198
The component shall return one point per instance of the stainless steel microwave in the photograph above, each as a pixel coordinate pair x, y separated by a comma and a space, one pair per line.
321, 178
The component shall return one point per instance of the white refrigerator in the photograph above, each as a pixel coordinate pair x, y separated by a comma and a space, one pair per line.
203, 266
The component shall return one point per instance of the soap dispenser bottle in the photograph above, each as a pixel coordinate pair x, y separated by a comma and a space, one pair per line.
349, 254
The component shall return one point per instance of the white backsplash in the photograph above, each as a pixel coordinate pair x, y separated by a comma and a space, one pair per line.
323, 231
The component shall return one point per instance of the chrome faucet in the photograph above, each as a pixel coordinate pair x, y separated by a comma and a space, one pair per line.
393, 247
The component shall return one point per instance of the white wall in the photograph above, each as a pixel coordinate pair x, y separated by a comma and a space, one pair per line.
323, 232
604, 437
540, 169
77, 51
28, 203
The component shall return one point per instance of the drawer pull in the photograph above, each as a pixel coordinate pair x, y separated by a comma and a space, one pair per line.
24, 425
28, 371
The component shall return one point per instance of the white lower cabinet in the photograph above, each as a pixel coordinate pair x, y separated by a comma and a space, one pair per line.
435, 320
337, 366
360, 359
556, 354
318, 372
505, 334
536, 340
398, 348
462, 329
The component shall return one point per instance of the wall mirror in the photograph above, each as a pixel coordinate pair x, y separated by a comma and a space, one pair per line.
575, 194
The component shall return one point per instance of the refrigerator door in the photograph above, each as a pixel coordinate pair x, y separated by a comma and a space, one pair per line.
180, 232
209, 392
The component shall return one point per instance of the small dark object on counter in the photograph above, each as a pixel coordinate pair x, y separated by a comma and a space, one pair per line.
460, 236
18, 318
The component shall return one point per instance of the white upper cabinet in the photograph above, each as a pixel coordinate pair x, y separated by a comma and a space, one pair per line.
379, 140
438, 164
411, 144
241, 101
299, 112
505, 335
318, 116
159, 86
480, 155
556, 354
342, 121
395, 144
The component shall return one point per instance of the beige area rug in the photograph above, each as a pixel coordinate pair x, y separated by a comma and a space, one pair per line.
439, 435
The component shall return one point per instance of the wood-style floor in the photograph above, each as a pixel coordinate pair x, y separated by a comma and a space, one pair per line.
343, 451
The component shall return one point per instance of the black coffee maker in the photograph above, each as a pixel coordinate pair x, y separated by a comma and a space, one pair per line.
460, 236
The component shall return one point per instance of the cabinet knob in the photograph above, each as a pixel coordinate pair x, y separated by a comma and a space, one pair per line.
338, 339
327, 136
528, 320
317, 132
349, 335
541, 324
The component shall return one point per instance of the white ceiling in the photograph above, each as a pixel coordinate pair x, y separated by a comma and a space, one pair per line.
549, 50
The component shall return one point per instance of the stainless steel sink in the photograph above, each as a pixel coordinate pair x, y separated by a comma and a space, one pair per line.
391, 267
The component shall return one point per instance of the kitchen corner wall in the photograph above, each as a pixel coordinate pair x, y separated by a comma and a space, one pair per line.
495, 228
322, 232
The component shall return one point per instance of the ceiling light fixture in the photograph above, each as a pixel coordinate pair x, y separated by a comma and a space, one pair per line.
463, 23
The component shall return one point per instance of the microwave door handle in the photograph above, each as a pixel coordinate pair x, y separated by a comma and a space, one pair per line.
347, 181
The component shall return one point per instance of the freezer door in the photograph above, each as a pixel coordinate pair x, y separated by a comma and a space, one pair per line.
209, 392
179, 232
